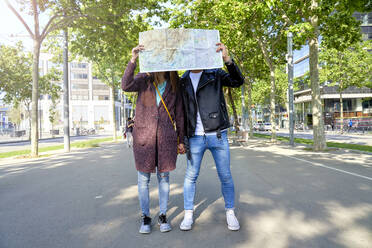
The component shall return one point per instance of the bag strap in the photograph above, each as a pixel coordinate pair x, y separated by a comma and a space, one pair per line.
165, 106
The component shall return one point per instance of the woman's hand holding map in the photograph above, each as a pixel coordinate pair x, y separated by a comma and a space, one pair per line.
135, 52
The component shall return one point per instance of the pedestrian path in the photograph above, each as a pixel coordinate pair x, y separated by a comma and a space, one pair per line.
361, 139
88, 198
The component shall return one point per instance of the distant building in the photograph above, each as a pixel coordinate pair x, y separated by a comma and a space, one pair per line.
357, 102
366, 26
90, 104
4, 118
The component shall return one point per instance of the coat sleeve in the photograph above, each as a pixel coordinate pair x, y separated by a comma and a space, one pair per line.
232, 79
131, 83
180, 118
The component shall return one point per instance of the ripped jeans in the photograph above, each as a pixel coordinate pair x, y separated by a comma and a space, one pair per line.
143, 191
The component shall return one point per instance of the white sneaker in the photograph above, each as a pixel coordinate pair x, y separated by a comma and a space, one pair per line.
187, 222
232, 221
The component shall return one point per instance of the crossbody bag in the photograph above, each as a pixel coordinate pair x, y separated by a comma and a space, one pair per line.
165, 106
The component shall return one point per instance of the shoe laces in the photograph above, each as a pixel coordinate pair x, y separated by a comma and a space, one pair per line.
146, 220
162, 218
230, 212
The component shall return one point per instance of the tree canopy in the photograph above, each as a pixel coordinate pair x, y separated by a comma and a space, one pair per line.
16, 76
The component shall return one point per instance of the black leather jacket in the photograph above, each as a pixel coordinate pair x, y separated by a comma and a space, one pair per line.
210, 98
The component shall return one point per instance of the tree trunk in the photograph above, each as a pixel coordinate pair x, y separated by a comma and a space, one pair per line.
112, 89
29, 119
271, 66
341, 112
317, 109
250, 121
272, 103
231, 100
35, 99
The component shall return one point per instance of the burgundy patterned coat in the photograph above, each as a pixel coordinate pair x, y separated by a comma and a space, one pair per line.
152, 123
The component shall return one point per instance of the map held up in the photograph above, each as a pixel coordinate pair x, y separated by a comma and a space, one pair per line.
179, 49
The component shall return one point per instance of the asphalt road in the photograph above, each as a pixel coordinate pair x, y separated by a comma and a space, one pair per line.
284, 198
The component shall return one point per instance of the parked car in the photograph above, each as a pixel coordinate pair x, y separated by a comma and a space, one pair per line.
256, 126
266, 127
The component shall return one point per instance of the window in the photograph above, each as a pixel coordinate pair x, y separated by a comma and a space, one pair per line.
100, 87
301, 68
304, 51
103, 98
79, 86
79, 76
79, 65
367, 104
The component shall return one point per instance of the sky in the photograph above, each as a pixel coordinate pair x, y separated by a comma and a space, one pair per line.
12, 30
11, 26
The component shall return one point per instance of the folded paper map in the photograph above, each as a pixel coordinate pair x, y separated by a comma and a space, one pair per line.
179, 49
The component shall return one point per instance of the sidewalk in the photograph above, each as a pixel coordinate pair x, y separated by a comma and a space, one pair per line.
6, 139
285, 197
361, 139
24, 145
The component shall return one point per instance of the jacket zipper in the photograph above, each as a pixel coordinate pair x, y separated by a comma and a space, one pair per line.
204, 85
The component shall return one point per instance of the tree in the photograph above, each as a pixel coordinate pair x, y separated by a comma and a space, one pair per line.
350, 67
332, 20
249, 57
16, 78
15, 115
57, 20
258, 24
54, 114
108, 43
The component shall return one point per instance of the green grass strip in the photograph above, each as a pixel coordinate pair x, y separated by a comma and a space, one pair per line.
77, 144
311, 142
14, 153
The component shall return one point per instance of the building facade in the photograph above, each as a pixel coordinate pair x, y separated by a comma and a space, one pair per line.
90, 104
357, 102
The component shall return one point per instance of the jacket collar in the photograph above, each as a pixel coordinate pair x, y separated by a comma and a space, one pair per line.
204, 79
168, 88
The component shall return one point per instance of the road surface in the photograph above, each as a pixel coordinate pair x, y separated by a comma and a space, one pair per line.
284, 198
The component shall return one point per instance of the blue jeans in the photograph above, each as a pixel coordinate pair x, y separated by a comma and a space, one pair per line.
143, 191
221, 155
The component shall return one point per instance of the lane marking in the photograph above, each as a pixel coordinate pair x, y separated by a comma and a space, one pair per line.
331, 168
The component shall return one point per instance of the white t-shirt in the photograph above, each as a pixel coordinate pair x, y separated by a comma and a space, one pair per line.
195, 78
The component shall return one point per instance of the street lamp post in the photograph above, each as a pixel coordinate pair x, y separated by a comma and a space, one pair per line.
290, 87
66, 104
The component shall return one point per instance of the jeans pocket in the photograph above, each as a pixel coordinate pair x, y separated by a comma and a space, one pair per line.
223, 139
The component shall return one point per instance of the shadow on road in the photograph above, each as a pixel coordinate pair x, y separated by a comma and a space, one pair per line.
89, 199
